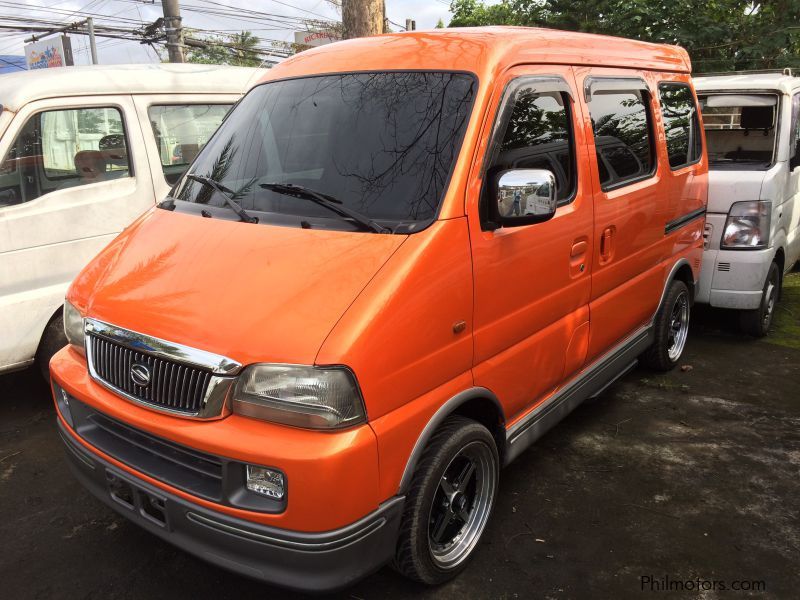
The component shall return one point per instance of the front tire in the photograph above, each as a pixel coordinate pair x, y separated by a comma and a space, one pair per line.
53, 340
757, 322
671, 329
449, 503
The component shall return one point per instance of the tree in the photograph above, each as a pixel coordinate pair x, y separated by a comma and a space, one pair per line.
720, 35
239, 49
361, 18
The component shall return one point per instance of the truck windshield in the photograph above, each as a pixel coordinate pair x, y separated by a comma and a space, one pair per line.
740, 130
381, 144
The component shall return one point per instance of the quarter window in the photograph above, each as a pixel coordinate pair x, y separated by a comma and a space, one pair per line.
181, 131
538, 135
622, 136
61, 149
681, 126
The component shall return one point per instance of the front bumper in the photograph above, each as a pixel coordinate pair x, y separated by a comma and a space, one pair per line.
733, 278
302, 561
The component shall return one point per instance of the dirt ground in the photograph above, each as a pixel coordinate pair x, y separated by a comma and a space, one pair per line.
695, 474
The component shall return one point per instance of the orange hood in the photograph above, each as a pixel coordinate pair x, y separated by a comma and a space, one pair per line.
254, 293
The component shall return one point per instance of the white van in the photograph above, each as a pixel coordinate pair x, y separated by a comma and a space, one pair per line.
83, 151
753, 221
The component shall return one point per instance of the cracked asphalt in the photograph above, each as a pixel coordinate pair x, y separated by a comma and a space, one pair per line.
693, 474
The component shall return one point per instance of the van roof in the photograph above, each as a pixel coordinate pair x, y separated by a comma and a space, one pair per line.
17, 89
484, 51
786, 84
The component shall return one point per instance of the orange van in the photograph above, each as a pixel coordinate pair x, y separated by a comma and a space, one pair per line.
398, 262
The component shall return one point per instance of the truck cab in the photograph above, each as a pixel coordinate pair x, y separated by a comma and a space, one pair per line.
753, 220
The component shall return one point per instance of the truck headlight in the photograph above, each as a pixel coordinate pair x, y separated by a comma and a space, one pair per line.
303, 396
73, 327
747, 226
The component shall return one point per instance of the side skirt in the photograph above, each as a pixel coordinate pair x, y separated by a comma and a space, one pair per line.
588, 384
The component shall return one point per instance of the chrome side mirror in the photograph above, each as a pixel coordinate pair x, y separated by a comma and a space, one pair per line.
524, 196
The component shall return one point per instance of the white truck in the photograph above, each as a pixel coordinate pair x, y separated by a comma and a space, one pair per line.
83, 152
753, 223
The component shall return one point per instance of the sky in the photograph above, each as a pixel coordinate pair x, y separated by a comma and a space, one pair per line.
110, 51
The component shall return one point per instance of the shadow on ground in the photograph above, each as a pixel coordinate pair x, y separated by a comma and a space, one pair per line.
685, 475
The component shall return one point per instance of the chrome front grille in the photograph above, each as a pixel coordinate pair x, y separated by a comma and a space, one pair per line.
158, 374
177, 387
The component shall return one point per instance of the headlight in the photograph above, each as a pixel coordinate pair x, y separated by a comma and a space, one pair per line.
303, 396
73, 327
747, 226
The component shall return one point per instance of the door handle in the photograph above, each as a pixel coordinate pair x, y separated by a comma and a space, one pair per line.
607, 245
578, 248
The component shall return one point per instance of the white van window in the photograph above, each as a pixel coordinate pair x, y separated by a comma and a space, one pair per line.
622, 136
181, 131
740, 130
681, 127
61, 149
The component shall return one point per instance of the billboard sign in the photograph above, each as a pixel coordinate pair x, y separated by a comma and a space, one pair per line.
44, 54
315, 38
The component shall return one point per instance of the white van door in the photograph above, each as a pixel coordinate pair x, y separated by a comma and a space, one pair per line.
179, 126
73, 174
793, 191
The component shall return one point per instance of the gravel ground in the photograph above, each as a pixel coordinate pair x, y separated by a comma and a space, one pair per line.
688, 475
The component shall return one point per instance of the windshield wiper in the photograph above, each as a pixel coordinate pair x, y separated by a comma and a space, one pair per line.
329, 202
226, 194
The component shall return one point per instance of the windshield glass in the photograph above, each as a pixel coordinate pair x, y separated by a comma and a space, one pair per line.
382, 144
740, 130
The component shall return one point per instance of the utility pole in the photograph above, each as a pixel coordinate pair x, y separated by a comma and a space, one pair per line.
92, 43
172, 25
361, 18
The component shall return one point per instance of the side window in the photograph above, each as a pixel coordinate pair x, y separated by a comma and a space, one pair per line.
537, 135
181, 131
622, 136
61, 149
681, 126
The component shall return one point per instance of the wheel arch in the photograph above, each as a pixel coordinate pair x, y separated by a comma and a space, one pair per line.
478, 404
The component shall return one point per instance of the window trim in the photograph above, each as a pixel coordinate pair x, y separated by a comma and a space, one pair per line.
616, 85
697, 112
549, 83
611, 83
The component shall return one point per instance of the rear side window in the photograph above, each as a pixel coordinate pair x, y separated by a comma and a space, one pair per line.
60, 149
538, 135
181, 131
623, 136
681, 126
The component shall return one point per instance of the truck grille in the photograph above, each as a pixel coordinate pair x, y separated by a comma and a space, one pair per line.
173, 386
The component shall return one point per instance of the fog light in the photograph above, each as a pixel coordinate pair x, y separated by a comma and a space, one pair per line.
62, 401
265, 482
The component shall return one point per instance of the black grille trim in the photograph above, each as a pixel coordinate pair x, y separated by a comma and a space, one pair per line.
174, 386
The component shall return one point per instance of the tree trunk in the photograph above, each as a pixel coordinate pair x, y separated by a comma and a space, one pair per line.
362, 18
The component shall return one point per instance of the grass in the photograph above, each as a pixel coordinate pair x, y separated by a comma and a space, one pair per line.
785, 330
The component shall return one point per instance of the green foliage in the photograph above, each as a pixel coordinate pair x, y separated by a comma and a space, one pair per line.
239, 49
720, 35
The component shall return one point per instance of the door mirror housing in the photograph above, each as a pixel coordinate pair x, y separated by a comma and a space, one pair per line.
524, 196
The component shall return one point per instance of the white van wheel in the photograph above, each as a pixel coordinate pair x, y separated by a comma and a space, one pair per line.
53, 340
757, 322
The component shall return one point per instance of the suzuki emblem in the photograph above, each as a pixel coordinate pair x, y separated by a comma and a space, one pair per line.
140, 374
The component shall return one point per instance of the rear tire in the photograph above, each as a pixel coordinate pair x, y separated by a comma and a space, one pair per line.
671, 329
757, 322
449, 502
53, 340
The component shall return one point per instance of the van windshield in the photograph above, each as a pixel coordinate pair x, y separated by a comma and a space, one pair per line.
740, 130
381, 144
